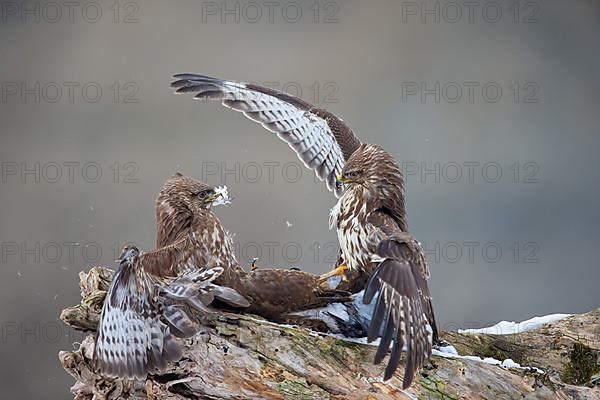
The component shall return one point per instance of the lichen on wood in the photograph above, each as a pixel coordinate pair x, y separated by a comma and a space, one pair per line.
236, 356
583, 364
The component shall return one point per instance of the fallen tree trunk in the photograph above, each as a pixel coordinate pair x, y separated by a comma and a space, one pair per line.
244, 357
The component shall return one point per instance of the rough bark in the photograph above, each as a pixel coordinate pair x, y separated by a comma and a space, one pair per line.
245, 357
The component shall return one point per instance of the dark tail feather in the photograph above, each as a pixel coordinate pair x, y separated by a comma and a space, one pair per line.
431, 319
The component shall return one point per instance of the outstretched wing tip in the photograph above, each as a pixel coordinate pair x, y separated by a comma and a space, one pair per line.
189, 76
322, 141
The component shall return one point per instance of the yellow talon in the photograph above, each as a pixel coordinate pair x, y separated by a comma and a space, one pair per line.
339, 271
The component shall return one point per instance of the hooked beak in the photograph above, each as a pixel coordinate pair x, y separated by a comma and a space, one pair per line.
213, 198
341, 181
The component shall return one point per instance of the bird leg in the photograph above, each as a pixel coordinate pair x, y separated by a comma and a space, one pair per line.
338, 271
334, 278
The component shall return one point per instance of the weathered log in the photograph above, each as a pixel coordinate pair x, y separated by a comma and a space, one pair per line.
238, 356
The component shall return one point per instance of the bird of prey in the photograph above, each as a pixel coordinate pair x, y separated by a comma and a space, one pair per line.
271, 293
140, 313
377, 252
193, 264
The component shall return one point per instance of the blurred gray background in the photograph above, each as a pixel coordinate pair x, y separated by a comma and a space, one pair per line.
502, 187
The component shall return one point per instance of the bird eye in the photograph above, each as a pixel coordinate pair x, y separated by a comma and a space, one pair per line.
205, 193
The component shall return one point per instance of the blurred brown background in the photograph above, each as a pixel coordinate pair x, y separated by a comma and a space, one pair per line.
86, 91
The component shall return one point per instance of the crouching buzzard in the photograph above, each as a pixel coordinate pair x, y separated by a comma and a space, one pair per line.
378, 253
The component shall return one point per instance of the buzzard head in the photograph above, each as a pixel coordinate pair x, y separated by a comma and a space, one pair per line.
372, 175
205, 196
184, 193
128, 254
179, 202
371, 167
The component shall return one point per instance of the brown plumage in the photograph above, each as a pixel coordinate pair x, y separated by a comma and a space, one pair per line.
271, 293
193, 264
141, 312
370, 217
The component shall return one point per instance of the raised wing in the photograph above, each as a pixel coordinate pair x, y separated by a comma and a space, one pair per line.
322, 141
141, 311
132, 341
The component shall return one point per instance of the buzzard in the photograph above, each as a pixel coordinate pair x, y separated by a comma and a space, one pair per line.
271, 293
193, 264
377, 252
140, 313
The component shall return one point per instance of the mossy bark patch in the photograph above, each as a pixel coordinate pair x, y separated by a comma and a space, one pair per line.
244, 357
582, 365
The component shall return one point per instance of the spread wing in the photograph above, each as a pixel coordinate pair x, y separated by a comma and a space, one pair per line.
189, 257
141, 312
132, 341
322, 141
403, 310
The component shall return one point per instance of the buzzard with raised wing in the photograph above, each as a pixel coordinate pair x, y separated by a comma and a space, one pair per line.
194, 264
377, 252
141, 313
